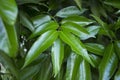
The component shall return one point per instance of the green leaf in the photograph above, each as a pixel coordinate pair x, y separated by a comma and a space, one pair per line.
95, 48
68, 11
79, 3
44, 27
8, 11
40, 19
57, 55
114, 3
108, 64
76, 45
117, 48
81, 20
8, 63
25, 20
4, 40
117, 75
74, 28
43, 42
73, 63
84, 72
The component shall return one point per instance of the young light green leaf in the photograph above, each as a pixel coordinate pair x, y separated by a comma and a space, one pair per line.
81, 20
117, 75
25, 20
68, 11
43, 42
44, 27
79, 3
117, 48
74, 28
8, 11
84, 72
40, 19
13, 41
114, 3
73, 63
4, 40
108, 64
76, 45
95, 48
57, 56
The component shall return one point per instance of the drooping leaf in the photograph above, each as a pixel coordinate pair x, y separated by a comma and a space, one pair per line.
73, 63
114, 3
25, 20
84, 72
40, 19
43, 42
57, 55
79, 3
4, 40
108, 64
95, 48
68, 11
9, 64
76, 45
117, 75
81, 20
117, 48
44, 27
8, 11
74, 28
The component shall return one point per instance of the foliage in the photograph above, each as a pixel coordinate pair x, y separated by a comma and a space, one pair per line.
60, 40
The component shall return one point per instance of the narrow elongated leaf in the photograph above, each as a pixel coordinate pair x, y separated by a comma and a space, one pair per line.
40, 19
84, 72
76, 45
8, 11
4, 40
44, 27
81, 20
74, 28
95, 48
57, 55
13, 41
8, 63
25, 20
117, 48
73, 63
43, 42
114, 3
108, 64
79, 3
117, 75
68, 11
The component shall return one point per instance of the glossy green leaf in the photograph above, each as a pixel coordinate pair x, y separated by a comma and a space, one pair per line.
117, 48
73, 63
74, 28
96, 59
4, 40
117, 75
81, 20
9, 64
68, 11
114, 3
108, 64
8, 11
57, 55
95, 48
76, 45
40, 19
43, 42
79, 3
44, 27
84, 72
25, 20
13, 41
